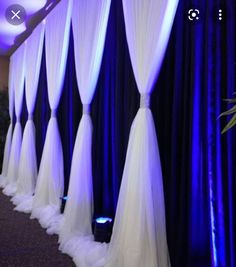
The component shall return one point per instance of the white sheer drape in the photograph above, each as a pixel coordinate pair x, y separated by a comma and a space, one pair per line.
89, 27
89, 22
27, 173
18, 83
7, 148
139, 233
50, 183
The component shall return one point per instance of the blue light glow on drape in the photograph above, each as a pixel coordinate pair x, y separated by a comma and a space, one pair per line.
229, 141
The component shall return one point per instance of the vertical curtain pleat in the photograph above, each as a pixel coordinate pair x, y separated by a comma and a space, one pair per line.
50, 182
89, 21
18, 83
28, 161
7, 148
139, 232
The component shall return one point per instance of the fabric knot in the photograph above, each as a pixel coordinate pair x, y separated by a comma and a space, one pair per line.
53, 113
144, 101
86, 109
30, 117
17, 119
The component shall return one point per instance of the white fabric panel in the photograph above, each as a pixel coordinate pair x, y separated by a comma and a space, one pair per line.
49, 189
50, 182
57, 41
79, 207
85, 251
6, 156
14, 159
139, 232
27, 173
34, 48
7, 148
89, 22
139, 235
148, 24
19, 78
18, 83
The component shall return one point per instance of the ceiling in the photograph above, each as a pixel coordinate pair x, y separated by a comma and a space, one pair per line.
11, 36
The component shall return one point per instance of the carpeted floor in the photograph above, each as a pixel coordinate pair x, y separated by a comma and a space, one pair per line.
23, 243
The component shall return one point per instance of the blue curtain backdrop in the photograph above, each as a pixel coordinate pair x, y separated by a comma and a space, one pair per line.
199, 164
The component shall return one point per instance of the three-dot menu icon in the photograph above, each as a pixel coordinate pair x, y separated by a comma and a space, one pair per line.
220, 14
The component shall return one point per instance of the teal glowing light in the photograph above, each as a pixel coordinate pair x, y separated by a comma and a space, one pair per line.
103, 220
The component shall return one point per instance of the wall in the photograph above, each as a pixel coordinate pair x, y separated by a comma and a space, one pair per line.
4, 70
4, 117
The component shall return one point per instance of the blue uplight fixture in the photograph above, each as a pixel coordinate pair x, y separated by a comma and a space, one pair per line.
63, 203
103, 229
103, 220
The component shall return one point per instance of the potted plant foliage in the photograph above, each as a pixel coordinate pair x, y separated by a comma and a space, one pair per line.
231, 112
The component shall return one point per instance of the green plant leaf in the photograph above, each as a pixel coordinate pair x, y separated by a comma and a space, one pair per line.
231, 123
233, 100
228, 112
